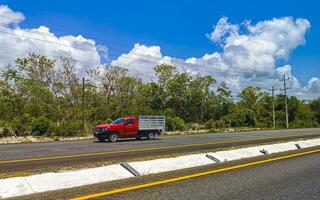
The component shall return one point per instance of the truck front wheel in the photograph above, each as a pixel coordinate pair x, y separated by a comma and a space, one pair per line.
113, 137
151, 136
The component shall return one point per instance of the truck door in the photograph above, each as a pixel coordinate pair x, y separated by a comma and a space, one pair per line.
130, 129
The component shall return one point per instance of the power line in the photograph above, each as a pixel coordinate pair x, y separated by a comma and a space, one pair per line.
236, 73
77, 47
42, 40
63, 31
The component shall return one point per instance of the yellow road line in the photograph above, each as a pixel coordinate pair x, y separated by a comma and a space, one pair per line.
181, 178
141, 149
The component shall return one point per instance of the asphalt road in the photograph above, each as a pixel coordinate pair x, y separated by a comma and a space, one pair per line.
41, 156
290, 178
296, 178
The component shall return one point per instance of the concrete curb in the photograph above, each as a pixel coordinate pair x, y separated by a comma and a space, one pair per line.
170, 164
19, 186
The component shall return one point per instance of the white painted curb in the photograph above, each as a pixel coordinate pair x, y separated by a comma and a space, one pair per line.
54, 181
170, 164
236, 154
309, 143
12, 187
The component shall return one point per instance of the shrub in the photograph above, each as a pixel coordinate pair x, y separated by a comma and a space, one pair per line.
21, 125
220, 124
175, 123
229, 121
247, 117
210, 124
243, 117
298, 123
5, 132
106, 121
194, 126
41, 126
70, 128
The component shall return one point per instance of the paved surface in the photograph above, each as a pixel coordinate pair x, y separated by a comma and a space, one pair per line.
296, 178
293, 178
128, 149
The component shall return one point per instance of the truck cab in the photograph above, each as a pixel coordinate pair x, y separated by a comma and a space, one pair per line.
128, 127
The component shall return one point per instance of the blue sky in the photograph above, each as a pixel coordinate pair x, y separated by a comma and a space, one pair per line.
179, 27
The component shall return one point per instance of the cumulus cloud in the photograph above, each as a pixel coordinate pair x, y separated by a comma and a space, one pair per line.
248, 57
141, 60
222, 30
10, 17
16, 42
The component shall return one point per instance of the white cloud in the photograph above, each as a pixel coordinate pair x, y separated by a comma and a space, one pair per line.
313, 85
141, 60
248, 57
16, 42
10, 17
222, 30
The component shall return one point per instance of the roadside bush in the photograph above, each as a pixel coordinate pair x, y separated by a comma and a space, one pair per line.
210, 124
194, 126
5, 132
264, 123
69, 129
106, 121
220, 124
174, 123
229, 121
41, 126
241, 118
21, 125
298, 123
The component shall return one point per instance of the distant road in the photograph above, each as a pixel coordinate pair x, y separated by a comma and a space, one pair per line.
37, 156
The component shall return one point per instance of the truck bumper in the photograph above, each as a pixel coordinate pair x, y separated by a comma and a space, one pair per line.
101, 134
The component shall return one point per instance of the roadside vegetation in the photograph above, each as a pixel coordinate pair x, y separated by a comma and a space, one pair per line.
43, 97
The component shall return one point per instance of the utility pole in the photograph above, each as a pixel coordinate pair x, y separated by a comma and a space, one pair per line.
83, 105
273, 110
285, 88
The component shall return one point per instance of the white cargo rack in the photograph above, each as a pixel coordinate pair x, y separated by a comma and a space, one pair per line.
152, 122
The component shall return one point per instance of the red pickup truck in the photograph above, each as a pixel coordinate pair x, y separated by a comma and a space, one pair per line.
131, 127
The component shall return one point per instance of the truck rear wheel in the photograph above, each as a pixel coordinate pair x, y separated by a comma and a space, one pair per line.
151, 136
113, 137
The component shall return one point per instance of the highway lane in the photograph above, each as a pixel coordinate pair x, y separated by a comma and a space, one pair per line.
42, 156
294, 178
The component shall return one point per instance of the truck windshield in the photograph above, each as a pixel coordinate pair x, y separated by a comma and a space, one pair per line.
118, 121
